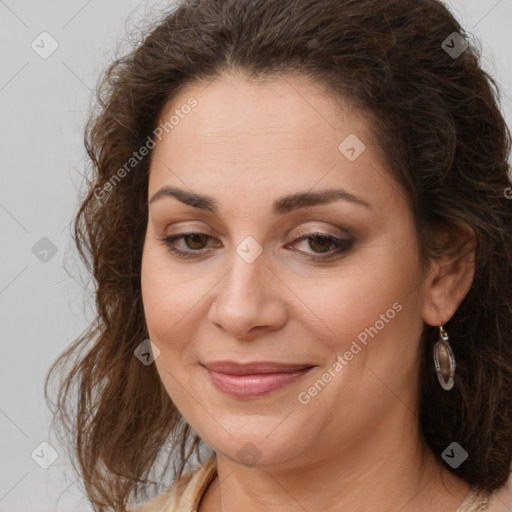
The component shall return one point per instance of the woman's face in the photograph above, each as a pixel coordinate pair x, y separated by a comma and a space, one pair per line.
255, 285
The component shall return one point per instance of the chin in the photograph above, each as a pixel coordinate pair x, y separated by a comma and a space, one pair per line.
261, 441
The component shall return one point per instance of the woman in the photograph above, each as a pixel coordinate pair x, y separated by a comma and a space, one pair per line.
299, 225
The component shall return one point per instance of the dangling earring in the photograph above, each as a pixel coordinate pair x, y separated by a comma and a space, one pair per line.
443, 355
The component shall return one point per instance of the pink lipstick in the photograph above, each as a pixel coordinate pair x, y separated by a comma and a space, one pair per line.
253, 380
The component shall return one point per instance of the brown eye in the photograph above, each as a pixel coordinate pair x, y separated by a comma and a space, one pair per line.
195, 240
321, 243
325, 246
193, 244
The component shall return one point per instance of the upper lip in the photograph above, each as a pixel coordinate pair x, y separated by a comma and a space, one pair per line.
234, 368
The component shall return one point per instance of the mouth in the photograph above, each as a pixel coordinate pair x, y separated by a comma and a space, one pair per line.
253, 380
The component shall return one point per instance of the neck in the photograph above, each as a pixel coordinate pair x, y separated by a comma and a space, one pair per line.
372, 475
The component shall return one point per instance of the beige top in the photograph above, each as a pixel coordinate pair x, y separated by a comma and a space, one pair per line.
186, 493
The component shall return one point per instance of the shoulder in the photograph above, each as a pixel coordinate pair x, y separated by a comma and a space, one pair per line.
185, 493
501, 499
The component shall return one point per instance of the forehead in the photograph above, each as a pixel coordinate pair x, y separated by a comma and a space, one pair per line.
282, 108
272, 137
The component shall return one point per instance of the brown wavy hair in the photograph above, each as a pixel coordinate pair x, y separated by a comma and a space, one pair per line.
438, 124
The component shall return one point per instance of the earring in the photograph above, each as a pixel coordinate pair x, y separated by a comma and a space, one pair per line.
443, 356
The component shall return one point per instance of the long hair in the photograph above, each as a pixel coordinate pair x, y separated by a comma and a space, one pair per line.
436, 118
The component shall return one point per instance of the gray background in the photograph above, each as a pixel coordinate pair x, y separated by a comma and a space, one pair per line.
43, 307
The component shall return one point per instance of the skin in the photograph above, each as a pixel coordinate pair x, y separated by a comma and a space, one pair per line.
356, 445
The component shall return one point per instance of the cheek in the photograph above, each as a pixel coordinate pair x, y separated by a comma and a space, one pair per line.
165, 303
355, 315
164, 300
174, 300
355, 299
368, 314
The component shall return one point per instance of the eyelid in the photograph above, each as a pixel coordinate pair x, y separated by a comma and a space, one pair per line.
302, 232
186, 230
311, 231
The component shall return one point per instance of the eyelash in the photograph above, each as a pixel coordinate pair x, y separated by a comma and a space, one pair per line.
342, 245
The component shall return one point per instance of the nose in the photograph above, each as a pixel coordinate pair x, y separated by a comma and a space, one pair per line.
248, 300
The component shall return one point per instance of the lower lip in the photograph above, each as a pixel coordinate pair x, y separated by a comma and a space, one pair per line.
253, 386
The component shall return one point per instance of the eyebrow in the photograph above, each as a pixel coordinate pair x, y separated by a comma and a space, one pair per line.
281, 206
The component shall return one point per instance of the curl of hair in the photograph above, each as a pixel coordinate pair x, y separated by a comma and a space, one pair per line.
437, 124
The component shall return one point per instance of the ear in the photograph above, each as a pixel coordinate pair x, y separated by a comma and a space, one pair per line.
451, 277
